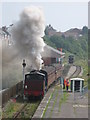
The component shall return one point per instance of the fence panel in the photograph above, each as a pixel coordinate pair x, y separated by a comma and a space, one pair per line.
10, 92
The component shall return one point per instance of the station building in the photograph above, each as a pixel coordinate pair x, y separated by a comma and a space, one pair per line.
51, 55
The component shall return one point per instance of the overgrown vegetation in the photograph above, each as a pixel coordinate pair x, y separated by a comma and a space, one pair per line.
78, 47
10, 109
48, 103
14, 106
54, 103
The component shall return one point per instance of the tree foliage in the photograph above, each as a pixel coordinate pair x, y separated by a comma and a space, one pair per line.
78, 47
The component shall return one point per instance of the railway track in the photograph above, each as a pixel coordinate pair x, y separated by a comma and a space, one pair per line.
27, 109
76, 73
18, 112
20, 109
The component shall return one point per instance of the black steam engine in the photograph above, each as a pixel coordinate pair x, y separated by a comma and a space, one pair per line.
37, 82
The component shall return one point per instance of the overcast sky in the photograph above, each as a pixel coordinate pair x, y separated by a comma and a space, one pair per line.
61, 15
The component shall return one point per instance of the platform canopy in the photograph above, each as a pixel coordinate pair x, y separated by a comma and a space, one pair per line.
77, 84
77, 79
51, 52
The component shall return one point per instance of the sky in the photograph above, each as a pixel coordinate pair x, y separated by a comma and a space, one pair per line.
61, 15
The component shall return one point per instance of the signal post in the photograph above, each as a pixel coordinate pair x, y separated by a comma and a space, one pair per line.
24, 65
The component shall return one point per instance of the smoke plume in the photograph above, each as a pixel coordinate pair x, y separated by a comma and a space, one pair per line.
27, 36
11, 65
26, 43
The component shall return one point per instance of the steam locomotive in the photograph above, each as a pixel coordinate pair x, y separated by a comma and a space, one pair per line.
37, 82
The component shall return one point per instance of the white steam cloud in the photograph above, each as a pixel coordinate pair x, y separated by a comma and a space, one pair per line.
27, 36
27, 43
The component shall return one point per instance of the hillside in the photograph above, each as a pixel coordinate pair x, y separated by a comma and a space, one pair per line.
74, 40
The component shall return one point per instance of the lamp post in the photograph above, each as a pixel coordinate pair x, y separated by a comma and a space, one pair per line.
24, 65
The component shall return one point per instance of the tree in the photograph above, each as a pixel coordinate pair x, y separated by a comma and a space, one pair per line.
85, 30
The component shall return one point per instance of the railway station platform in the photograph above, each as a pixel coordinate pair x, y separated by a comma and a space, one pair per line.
62, 104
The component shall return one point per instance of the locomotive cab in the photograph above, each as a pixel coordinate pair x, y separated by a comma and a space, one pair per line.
34, 84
